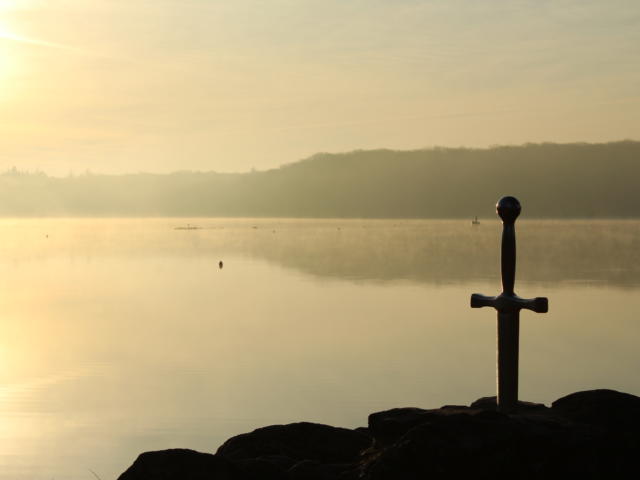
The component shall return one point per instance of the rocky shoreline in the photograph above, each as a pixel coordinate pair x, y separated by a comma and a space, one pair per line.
590, 434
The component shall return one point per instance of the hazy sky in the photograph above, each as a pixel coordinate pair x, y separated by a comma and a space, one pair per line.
160, 85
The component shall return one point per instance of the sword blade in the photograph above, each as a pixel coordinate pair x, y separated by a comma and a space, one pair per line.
508, 339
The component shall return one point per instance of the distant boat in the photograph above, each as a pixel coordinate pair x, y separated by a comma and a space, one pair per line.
475, 221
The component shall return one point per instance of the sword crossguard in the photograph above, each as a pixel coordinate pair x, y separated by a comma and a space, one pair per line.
510, 303
478, 300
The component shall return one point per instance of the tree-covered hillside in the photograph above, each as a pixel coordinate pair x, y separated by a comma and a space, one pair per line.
551, 180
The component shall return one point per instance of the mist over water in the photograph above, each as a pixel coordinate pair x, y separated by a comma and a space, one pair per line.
124, 335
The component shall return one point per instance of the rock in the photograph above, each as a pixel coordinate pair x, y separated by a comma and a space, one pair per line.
583, 435
388, 426
298, 441
476, 444
607, 408
490, 403
586, 435
312, 470
180, 464
264, 468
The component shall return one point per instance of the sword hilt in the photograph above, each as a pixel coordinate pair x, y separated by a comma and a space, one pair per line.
510, 303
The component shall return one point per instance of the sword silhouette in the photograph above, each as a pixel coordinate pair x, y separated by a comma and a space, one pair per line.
508, 305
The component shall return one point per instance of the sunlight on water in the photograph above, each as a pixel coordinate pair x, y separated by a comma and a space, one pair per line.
120, 336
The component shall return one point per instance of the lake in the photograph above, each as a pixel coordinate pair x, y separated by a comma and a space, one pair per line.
123, 335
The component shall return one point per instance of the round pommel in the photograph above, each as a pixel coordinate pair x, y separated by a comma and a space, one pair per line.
508, 208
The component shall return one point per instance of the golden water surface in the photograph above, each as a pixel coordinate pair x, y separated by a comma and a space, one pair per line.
123, 335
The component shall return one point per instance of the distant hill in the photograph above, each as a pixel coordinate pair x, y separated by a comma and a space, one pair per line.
551, 180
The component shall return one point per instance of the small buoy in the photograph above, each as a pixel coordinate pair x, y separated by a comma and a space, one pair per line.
220, 264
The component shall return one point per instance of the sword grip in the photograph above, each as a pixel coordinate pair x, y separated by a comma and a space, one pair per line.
508, 258
508, 209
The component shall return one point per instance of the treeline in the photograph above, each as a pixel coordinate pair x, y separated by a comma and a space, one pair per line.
551, 180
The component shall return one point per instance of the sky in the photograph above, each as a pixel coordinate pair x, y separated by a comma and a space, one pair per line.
123, 86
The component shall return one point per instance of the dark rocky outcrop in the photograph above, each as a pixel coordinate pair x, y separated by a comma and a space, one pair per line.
297, 450
587, 435
298, 441
607, 408
180, 464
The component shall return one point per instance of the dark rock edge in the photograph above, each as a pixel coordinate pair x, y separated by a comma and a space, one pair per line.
589, 434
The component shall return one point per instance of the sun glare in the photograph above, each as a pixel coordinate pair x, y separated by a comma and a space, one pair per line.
7, 52
9, 4
4, 56
5, 5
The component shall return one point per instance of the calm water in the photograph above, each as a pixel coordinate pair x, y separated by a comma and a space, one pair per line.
120, 336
